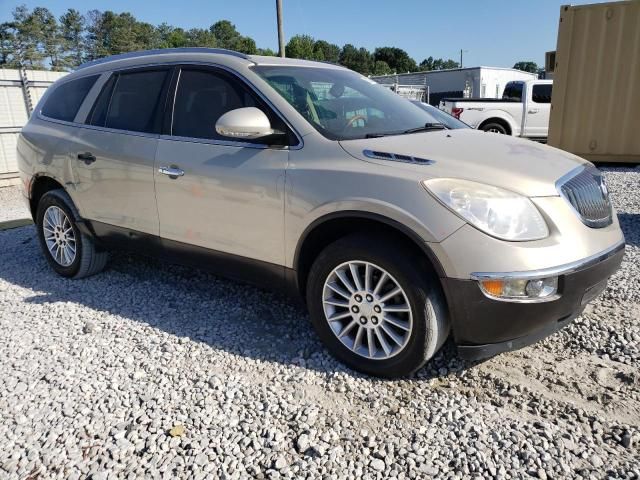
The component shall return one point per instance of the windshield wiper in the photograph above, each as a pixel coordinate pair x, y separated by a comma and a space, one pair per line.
427, 127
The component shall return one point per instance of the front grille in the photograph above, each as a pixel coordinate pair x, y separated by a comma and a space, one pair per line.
587, 193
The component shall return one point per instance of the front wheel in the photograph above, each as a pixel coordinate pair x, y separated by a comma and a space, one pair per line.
374, 308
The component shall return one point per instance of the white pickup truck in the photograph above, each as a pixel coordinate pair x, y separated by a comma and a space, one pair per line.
523, 110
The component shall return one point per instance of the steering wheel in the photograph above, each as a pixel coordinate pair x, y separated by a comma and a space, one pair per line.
353, 119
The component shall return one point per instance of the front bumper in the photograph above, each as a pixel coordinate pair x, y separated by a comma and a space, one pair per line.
483, 327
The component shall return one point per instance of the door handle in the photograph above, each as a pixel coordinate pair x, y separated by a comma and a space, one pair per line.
533, 110
87, 157
172, 172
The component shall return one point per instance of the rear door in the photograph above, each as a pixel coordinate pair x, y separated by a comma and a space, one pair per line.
114, 171
538, 110
229, 197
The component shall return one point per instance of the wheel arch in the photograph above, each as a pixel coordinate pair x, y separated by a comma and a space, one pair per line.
500, 120
333, 226
41, 184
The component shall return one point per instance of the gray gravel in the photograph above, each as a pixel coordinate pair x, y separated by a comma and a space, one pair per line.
12, 205
154, 370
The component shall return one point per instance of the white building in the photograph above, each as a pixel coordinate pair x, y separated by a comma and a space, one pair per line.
20, 91
473, 82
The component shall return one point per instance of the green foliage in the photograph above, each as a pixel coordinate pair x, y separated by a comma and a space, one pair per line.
301, 46
380, 67
226, 36
531, 67
398, 60
325, 51
36, 39
358, 59
430, 63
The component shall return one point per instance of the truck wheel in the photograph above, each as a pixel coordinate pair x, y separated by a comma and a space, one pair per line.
374, 308
70, 253
494, 128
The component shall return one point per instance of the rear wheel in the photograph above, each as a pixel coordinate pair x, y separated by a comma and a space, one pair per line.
70, 252
374, 308
495, 128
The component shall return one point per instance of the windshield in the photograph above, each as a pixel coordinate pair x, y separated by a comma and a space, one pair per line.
344, 105
450, 121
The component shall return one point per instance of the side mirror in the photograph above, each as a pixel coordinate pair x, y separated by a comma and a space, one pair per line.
248, 123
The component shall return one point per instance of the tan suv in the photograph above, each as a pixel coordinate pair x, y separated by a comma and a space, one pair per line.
396, 225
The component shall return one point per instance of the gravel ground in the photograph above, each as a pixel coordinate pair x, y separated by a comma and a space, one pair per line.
12, 205
155, 370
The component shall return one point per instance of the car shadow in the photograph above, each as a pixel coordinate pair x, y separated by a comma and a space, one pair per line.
629, 224
226, 315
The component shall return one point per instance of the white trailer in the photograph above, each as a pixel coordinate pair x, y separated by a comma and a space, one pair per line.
472, 82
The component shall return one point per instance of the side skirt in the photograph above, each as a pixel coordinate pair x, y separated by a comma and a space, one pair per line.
262, 274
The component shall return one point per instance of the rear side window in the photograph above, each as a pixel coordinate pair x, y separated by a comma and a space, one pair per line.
541, 93
131, 102
203, 96
98, 114
64, 102
513, 92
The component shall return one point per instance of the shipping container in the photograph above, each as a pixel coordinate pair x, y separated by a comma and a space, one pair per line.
595, 108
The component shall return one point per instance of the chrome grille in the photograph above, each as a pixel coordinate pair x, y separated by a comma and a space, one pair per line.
585, 190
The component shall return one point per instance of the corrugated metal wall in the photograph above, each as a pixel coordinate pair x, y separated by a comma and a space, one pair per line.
18, 90
595, 108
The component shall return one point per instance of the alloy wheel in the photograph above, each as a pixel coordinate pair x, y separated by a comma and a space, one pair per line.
59, 236
367, 310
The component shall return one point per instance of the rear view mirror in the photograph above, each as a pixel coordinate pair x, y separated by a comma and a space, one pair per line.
248, 123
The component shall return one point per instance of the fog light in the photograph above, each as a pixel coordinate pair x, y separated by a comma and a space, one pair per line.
520, 288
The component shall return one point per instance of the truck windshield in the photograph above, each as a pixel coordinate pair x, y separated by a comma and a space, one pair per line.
344, 105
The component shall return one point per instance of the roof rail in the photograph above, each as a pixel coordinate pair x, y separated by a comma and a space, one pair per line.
160, 51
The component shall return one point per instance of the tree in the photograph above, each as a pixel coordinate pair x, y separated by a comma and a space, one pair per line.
356, 59
226, 36
45, 28
170, 37
8, 46
26, 37
301, 46
529, 66
198, 37
323, 50
430, 63
380, 67
398, 60
72, 26
267, 52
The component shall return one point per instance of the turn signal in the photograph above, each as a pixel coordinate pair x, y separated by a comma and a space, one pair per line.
520, 289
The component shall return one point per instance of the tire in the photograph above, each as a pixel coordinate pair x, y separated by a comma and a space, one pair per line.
87, 259
427, 315
495, 128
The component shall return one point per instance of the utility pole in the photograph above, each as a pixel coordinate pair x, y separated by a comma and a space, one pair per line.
280, 30
461, 52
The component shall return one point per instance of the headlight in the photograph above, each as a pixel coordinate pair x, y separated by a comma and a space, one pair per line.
498, 212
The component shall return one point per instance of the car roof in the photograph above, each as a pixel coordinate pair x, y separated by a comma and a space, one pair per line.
221, 56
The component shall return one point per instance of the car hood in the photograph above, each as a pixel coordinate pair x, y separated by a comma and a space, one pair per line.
519, 165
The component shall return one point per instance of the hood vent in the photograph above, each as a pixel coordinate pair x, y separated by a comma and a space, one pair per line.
396, 157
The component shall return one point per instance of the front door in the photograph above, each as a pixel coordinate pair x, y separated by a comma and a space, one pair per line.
538, 110
215, 193
114, 180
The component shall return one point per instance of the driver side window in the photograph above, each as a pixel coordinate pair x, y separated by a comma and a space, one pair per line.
203, 96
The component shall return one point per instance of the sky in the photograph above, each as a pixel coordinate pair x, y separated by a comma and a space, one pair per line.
491, 32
